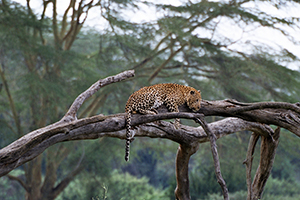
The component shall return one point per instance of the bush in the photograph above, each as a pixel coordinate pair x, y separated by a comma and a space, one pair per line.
117, 187
234, 196
10, 189
281, 187
243, 195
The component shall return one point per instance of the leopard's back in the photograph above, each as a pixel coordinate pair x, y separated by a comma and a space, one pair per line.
144, 99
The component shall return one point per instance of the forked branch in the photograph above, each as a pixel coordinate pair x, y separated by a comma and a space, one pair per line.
267, 155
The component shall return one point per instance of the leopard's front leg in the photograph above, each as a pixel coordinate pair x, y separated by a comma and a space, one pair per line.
173, 107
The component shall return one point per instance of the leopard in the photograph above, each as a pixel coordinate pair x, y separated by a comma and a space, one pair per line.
147, 99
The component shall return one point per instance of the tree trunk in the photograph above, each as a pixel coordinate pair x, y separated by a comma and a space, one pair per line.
33, 176
184, 152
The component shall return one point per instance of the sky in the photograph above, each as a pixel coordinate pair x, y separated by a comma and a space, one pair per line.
244, 36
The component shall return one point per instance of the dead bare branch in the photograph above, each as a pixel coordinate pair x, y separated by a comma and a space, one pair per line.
241, 116
16, 149
282, 114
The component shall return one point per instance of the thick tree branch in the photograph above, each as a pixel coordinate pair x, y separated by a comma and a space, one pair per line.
254, 117
267, 155
34, 143
285, 115
184, 152
263, 105
95, 127
15, 150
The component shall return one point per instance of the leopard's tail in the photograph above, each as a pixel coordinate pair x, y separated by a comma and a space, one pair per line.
128, 127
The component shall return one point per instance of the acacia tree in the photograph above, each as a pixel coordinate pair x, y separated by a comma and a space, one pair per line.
193, 42
41, 47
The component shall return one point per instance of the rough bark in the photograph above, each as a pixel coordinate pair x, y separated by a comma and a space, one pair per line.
240, 116
282, 114
184, 152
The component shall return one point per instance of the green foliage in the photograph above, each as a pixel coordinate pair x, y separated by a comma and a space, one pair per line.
278, 187
14, 23
117, 186
147, 163
243, 195
232, 151
233, 196
203, 181
287, 163
10, 189
210, 60
274, 189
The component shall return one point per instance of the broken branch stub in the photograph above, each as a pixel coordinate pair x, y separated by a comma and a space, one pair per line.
71, 114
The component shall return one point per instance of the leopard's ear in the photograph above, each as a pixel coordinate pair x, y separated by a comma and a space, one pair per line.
192, 92
199, 91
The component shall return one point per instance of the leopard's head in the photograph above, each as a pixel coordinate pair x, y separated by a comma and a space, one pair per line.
194, 100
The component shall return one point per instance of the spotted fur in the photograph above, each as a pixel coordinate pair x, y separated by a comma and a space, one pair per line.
147, 99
